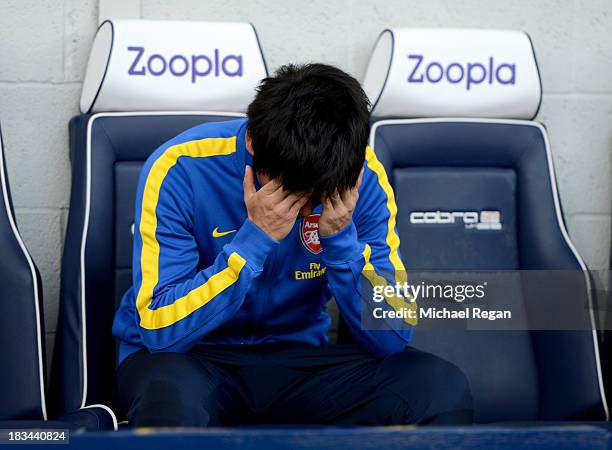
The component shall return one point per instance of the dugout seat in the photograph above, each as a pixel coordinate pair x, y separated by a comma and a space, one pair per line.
134, 99
453, 124
22, 349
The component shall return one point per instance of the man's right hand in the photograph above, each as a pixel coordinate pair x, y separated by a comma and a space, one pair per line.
272, 209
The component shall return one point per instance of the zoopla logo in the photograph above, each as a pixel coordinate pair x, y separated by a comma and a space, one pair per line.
195, 66
469, 74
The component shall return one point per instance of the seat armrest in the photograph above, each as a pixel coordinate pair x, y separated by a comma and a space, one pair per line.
91, 418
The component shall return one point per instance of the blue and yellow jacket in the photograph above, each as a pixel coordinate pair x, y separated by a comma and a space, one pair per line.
204, 273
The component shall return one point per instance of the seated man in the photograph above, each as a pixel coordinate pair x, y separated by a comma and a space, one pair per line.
243, 232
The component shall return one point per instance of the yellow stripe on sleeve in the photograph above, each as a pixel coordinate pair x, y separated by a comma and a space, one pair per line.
392, 240
396, 302
153, 319
149, 260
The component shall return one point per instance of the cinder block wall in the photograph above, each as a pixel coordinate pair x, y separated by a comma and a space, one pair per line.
44, 46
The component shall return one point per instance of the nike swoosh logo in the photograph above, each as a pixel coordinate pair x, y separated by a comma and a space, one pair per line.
216, 233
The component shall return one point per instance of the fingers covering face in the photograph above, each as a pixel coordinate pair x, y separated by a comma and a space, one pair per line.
248, 183
350, 196
274, 190
272, 187
297, 205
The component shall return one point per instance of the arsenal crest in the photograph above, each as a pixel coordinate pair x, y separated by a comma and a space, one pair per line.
309, 233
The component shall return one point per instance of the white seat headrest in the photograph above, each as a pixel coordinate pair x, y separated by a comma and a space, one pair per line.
453, 72
144, 65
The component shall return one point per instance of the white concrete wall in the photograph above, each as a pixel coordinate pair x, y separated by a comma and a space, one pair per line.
44, 46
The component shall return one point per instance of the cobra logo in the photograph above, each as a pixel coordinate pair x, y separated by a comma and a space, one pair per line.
483, 220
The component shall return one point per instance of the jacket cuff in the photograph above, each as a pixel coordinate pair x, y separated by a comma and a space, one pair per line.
252, 244
341, 247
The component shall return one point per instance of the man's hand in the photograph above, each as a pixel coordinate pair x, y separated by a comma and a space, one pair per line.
338, 209
272, 209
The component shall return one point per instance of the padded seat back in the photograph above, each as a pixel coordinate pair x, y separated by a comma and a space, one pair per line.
107, 153
22, 390
477, 192
108, 150
457, 165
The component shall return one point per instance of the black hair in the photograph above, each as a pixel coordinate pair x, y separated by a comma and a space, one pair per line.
309, 126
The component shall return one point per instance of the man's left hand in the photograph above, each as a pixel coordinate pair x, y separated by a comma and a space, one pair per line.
338, 209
